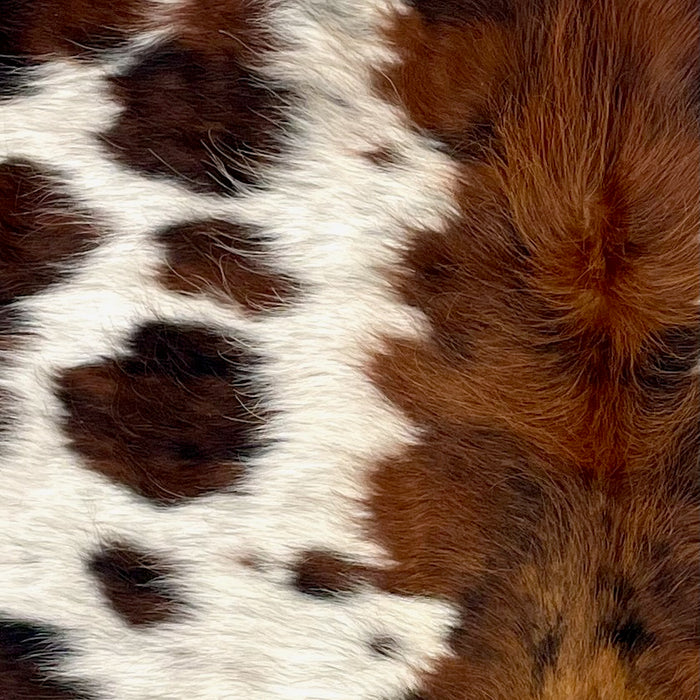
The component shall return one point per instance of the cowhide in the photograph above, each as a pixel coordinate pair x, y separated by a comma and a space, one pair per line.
349, 350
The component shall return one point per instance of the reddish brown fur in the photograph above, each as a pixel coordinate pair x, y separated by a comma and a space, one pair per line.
41, 231
173, 419
224, 260
135, 584
555, 495
228, 26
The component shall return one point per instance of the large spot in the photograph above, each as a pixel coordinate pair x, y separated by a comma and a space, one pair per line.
42, 233
198, 116
135, 584
223, 260
28, 653
174, 417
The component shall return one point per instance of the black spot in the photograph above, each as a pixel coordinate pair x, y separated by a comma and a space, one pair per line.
136, 584
630, 638
12, 64
621, 627
166, 349
27, 653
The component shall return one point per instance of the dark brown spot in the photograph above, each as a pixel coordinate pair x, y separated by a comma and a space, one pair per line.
28, 653
202, 118
136, 584
173, 418
34, 28
666, 369
384, 645
224, 260
473, 141
325, 574
41, 231
545, 655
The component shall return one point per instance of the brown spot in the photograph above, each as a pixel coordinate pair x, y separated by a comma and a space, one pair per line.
28, 654
384, 645
135, 584
41, 231
200, 117
252, 562
555, 395
175, 417
382, 156
325, 574
224, 260
545, 655
34, 28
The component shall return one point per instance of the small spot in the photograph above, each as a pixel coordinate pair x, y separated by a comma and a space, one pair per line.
198, 117
382, 156
468, 639
545, 655
384, 645
225, 261
173, 418
135, 584
621, 627
28, 653
252, 562
325, 575
630, 637
667, 367
41, 231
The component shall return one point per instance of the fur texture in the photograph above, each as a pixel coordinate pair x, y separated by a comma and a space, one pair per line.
349, 350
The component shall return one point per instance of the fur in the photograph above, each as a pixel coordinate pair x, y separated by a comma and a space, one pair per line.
349, 350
